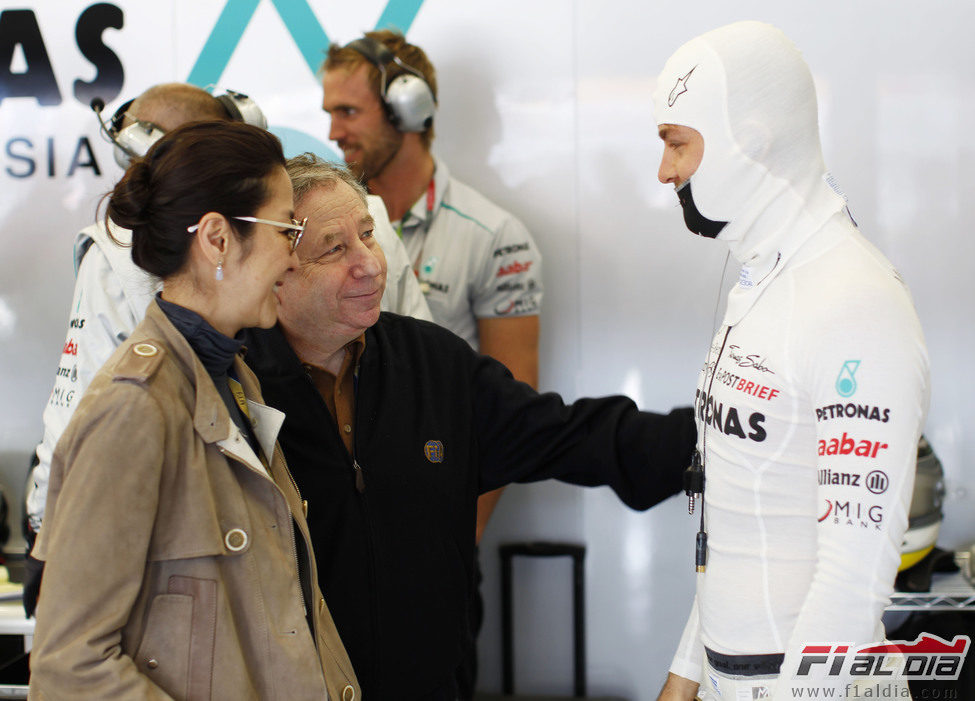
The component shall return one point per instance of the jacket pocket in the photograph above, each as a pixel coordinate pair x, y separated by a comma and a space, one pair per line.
177, 648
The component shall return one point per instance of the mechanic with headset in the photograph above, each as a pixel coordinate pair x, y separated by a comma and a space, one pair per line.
477, 264
813, 393
111, 294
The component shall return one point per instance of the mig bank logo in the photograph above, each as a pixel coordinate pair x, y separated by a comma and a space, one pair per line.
846, 384
310, 38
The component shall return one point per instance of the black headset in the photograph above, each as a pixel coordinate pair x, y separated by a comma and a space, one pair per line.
133, 141
407, 98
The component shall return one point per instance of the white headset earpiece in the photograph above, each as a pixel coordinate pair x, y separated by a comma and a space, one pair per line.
411, 102
241, 108
407, 98
134, 140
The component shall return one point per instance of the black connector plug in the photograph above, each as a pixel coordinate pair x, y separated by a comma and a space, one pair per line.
701, 551
694, 481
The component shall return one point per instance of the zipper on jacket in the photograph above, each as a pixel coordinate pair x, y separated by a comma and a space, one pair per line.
304, 502
375, 673
360, 482
301, 589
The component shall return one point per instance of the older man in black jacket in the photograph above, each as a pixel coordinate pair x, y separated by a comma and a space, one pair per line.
395, 426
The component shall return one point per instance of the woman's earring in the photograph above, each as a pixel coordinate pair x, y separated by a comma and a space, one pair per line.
219, 274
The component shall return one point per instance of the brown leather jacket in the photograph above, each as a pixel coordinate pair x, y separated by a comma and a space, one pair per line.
172, 566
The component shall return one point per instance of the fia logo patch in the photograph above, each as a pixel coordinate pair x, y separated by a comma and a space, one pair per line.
434, 451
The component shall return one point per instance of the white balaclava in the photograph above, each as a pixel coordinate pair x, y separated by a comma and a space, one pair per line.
747, 90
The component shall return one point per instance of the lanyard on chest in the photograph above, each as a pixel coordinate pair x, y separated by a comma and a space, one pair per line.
428, 218
694, 475
424, 228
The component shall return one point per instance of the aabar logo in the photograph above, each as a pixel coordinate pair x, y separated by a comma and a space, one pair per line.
679, 88
516, 267
70, 348
847, 446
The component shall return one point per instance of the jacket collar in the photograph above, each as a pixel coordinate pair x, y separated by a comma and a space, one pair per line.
210, 416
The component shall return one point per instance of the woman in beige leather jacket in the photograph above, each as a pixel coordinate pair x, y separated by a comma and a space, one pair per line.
178, 561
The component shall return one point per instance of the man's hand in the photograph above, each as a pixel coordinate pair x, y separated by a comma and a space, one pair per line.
678, 689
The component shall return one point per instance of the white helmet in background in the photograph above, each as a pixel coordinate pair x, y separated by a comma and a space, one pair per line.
925, 516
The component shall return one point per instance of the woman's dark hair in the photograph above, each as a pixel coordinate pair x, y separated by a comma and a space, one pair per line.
197, 168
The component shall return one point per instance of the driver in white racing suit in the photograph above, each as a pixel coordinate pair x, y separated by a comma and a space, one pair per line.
813, 393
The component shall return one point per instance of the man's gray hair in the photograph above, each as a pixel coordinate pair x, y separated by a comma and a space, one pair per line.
308, 171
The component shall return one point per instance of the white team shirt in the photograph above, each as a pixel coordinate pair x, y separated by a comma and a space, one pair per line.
475, 261
111, 295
